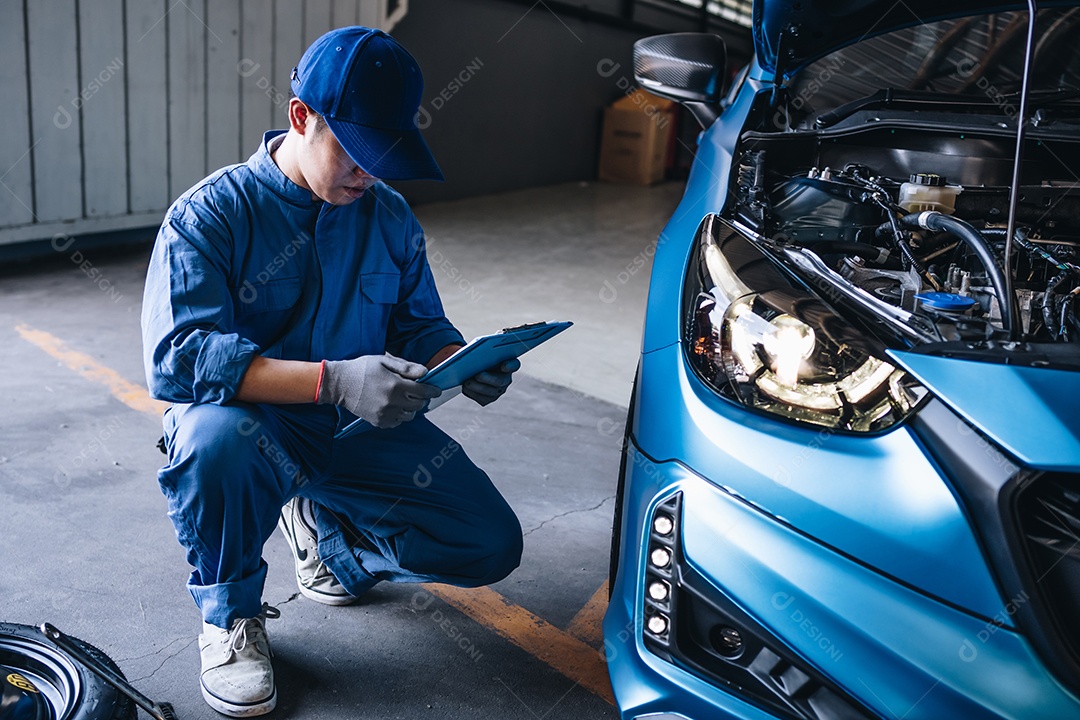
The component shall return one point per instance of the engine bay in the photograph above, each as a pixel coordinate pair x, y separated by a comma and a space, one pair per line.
914, 224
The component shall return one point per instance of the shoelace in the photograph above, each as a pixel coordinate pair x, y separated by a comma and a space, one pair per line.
238, 636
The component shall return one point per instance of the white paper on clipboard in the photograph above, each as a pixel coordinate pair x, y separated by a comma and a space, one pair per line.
484, 352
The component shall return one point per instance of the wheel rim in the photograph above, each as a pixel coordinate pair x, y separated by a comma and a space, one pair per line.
52, 673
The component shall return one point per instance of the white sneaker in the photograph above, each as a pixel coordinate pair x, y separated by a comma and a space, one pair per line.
237, 678
314, 579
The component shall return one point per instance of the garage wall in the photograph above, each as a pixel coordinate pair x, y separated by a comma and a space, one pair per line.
118, 106
514, 93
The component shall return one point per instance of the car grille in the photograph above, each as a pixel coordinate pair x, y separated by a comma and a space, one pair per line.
1048, 514
1029, 527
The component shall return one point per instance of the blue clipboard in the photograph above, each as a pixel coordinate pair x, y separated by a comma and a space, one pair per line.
483, 353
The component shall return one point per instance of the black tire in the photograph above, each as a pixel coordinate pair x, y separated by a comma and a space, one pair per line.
71, 691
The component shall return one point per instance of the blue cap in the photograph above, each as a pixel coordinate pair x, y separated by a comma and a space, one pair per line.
368, 88
949, 302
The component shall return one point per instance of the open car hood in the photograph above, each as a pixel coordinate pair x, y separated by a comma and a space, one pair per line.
788, 34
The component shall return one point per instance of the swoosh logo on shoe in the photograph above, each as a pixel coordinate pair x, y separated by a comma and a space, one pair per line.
301, 553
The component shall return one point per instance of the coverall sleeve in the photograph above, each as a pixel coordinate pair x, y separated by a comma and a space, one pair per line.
189, 353
418, 325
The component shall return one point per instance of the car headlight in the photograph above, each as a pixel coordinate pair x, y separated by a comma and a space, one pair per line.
762, 339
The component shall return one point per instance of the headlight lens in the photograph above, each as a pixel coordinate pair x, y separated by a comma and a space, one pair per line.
762, 340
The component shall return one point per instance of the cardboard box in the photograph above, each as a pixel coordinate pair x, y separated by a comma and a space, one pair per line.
636, 139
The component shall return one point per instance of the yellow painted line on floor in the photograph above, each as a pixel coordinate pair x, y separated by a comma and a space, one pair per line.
566, 651
134, 396
586, 625
562, 651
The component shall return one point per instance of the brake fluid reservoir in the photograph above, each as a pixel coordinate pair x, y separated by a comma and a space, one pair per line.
927, 191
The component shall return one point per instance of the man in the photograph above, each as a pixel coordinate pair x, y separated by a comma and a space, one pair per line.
287, 296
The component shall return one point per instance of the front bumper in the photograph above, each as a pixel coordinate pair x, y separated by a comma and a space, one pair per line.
896, 651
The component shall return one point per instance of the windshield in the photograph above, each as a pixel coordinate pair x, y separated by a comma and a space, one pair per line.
980, 56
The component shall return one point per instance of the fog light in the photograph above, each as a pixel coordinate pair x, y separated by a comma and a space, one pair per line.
727, 640
660, 557
658, 624
658, 591
663, 525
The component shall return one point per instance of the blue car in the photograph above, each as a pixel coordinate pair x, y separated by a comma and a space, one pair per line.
851, 478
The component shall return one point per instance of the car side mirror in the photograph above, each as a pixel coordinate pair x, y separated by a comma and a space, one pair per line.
686, 67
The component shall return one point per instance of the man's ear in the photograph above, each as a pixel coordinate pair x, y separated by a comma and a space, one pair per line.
299, 114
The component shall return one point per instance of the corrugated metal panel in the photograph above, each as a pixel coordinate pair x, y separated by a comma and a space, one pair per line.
101, 45
56, 99
256, 47
148, 109
317, 19
121, 105
186, 43
16, 184
223, 81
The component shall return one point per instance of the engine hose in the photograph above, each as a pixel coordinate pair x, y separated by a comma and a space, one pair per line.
759, 169
1052, 326
893, 227
885, 232
1067, 313
933, 220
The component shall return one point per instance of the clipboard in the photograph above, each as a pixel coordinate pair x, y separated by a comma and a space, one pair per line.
483, 353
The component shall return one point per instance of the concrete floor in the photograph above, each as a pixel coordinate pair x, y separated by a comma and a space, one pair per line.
86, 545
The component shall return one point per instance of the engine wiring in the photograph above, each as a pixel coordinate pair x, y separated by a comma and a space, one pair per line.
944, 268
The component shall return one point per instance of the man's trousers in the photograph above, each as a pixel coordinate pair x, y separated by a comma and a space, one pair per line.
404, 504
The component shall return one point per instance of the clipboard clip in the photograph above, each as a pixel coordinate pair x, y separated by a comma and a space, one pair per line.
526, 326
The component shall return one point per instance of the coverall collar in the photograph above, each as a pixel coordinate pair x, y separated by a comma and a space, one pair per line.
269, 174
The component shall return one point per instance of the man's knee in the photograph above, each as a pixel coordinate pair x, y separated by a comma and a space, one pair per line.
217, 430
502, 551
218, 445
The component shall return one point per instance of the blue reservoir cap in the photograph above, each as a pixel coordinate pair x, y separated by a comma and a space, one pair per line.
949, 302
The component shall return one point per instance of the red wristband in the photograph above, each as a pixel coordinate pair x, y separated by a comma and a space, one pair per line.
318, 385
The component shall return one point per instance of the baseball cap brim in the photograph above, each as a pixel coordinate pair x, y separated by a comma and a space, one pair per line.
386, 154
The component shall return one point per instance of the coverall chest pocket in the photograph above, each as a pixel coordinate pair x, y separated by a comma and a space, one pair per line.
378, 295
262, 310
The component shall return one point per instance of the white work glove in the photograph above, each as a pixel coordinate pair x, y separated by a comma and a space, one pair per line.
381, 389
488, 386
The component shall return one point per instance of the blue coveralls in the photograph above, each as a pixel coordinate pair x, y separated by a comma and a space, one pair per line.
246, 264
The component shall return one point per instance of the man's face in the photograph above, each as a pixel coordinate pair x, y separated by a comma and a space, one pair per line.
329, 171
